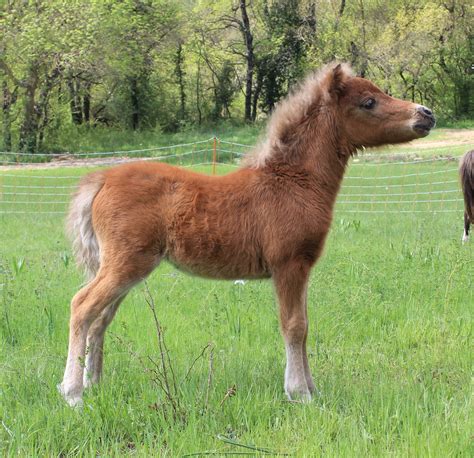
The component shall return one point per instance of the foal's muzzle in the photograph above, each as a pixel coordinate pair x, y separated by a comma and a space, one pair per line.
425, 120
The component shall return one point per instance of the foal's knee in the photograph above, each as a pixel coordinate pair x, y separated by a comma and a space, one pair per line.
294, 329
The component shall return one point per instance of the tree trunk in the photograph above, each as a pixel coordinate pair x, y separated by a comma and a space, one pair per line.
256, 95
342, 7
358, 59
28, 129
248, 38
42, 113
198, 92
9, 98
135, 102
364, 63
463, 94
75, 100
180, 77
86, 102
311, 19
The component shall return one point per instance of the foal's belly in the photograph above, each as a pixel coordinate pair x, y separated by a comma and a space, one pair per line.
218, 271
210, 258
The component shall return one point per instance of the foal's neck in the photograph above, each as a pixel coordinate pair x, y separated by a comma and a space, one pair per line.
318, 151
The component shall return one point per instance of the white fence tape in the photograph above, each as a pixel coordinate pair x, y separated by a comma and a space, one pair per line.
226, 153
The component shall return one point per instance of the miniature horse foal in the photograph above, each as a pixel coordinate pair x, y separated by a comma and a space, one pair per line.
269, 219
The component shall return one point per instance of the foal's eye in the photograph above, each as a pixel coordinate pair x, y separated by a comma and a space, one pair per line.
368, 104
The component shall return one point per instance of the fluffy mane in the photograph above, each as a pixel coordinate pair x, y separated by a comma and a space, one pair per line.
303, 103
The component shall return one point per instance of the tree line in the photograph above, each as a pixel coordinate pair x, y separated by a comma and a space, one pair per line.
147, 64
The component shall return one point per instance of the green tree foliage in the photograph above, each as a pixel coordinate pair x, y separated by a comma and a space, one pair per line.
281, 62
145, 64
41, 43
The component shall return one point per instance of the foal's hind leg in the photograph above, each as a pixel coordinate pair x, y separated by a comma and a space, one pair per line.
95, 344
290, 284
109, 286
86, 306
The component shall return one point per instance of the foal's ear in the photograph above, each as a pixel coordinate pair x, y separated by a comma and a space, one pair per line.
335, 79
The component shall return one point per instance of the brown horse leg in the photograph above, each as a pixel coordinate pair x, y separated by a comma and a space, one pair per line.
86, 306
467, 224
95, 344
109, 286
290, 285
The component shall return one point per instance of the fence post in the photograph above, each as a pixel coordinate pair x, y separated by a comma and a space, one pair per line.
214, 155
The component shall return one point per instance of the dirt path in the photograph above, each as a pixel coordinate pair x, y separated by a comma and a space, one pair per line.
451, 137
69, 160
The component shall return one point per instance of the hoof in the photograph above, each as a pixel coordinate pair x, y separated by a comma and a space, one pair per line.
72, 400
301, 394
301, 398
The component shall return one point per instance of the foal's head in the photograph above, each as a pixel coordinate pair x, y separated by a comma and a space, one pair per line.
333, 107
369, 117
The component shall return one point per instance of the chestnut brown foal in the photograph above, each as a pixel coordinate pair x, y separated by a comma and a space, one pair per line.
268, 219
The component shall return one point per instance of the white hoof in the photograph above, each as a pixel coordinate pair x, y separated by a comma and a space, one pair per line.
303, 398
71, 399
298, 394
74, 402
465, 238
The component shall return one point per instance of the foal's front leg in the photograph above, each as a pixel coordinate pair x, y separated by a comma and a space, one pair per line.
290, 284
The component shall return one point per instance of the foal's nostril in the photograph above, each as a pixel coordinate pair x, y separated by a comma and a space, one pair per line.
425, 111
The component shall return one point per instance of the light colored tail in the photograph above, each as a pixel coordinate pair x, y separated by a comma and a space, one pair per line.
79, 224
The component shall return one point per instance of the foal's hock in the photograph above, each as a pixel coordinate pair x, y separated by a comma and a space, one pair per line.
269, 219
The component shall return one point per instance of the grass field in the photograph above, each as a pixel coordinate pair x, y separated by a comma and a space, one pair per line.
390, 340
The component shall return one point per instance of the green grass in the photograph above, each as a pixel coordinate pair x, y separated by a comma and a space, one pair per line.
110, 139
390, 306
456, 124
